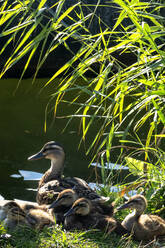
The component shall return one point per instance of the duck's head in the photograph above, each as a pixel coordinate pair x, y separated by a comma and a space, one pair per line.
80, 207
65, 198
17, 214
10, 205
51, 150
137, 202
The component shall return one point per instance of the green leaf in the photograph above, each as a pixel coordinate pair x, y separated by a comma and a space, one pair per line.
135, 166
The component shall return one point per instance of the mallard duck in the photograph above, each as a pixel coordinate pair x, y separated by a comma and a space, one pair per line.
67, 197
52, 181
83, 216
142, 226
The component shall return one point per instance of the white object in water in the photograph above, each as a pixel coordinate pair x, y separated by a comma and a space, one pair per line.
30, 175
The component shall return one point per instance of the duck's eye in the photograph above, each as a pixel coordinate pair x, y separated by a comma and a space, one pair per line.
136, 201
82, 205
69, 196
50, 149
16, 211
12, 204
63, 197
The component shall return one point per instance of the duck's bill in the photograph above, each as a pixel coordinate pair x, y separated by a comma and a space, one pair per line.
126, 205
54, 204
70, 212
36, 156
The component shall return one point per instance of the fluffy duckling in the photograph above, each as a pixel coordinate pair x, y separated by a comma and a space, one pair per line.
38, 218
27, 213
142, 226
15, 216
6, 207
82, 216
52, 181
67, 197
27, 206
62, 204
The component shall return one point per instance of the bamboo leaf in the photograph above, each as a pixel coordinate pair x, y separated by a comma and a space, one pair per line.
41, 4
150, 132
160, 113
135, 166
65, 14
17, 28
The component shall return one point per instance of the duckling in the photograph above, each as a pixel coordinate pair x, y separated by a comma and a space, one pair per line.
52, 181
6, 207
142, 226
38, 218
82, 216
67, 197
15, 216
27, 205
62, 204
26, 213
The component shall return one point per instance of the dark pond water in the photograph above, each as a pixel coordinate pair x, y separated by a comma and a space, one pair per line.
22, 114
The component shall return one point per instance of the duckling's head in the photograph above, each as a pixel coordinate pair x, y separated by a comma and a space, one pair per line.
137, 202
17, 214
38, 216
10, 205
51, 150
80, 207
65, 198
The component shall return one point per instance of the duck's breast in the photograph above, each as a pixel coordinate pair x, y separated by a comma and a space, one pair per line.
129, 222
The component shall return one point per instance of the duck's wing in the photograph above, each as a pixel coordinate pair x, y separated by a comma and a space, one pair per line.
102, 208
87, 192
49, 191
154, 224
105, 223
76, 181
